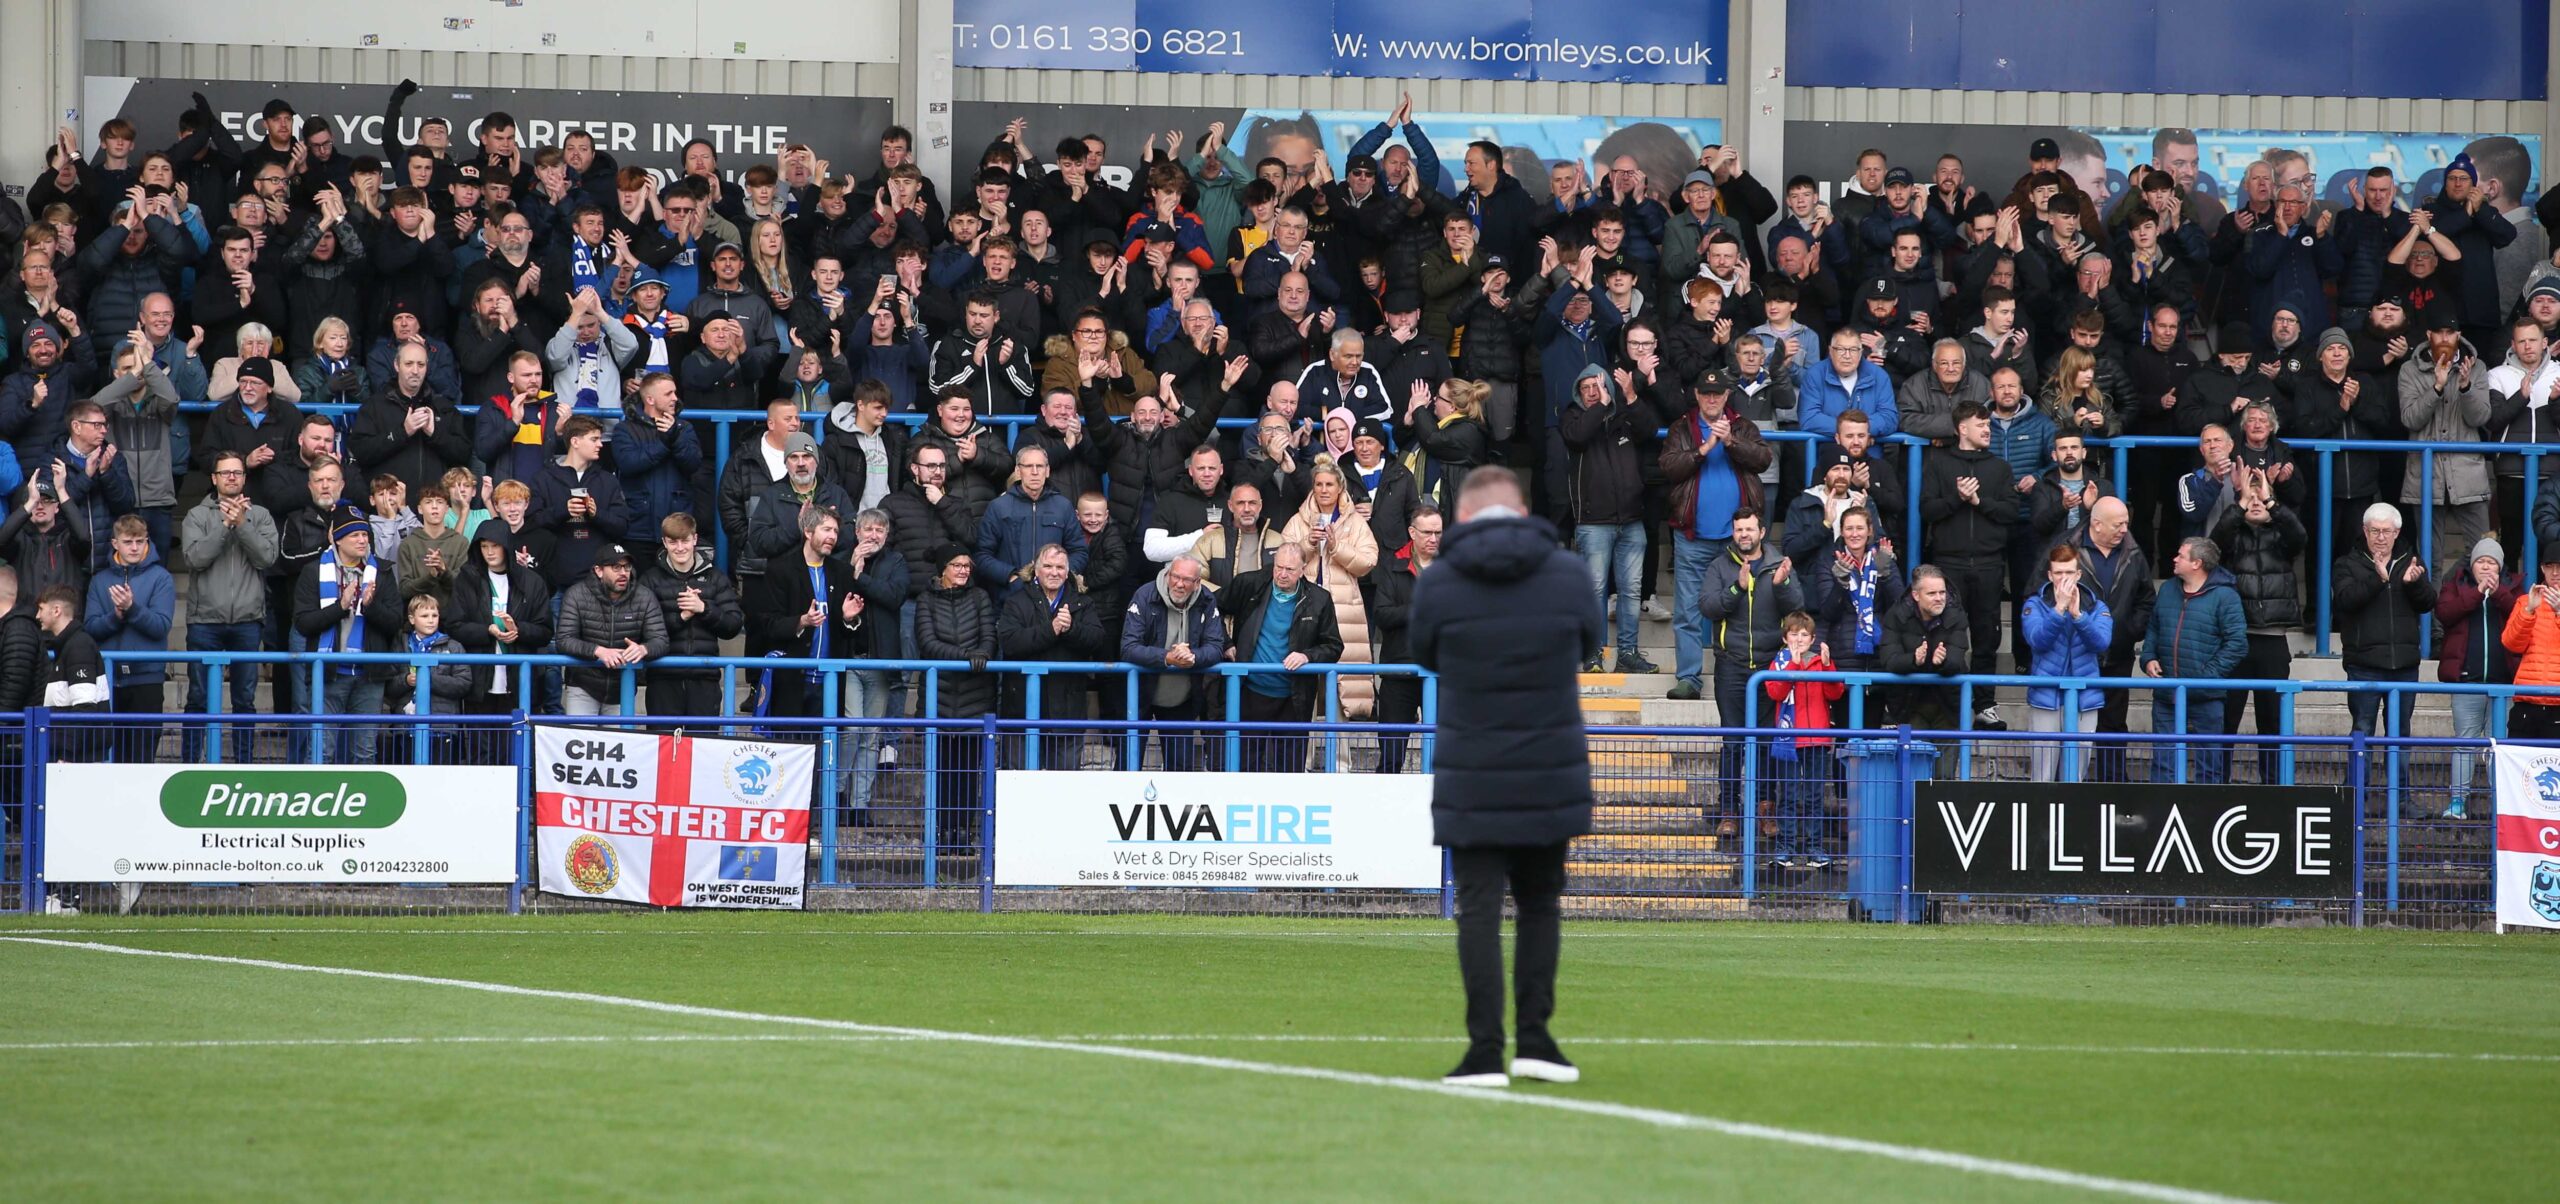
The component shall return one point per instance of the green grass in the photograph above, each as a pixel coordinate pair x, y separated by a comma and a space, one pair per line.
801, 1111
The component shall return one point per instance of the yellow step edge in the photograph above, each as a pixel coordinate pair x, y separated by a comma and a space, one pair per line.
1615, 706
1604, 679
1585, 871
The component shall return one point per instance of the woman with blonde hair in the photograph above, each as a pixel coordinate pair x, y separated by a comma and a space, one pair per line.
769, 259
256, 342
2074, 401
1340, 550
332, 372
1445, 431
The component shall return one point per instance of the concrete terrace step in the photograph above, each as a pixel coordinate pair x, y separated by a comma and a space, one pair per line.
1615, 906
1642, 818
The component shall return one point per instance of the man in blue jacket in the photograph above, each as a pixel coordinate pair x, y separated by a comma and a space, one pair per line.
1027, 518
2288, 259
1845, 380
1507, 617
2198, 630
130, 607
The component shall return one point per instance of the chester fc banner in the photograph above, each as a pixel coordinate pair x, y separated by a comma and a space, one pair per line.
671, 821
2528, 875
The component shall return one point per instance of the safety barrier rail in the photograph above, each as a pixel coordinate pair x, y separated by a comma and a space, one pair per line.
1846, 822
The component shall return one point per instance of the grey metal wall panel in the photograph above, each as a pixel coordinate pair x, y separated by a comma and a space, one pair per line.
774, 77
1034, 86
2132, 109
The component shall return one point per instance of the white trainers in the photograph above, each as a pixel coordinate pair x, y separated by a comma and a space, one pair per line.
1491, 1078
1656, 611
54, 906
1543, 1071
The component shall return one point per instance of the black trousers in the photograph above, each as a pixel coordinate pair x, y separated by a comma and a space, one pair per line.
688, 696
1976, 582
1273, 752
2111, 718
2269, 657
1399, 701
1535, 876
137, 743
2533, 721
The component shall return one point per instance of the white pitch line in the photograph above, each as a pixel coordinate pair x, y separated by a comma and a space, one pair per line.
1660, 1118
349, 1042
1295, 1039
2211, 1051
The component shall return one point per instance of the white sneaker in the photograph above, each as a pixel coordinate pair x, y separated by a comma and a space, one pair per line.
54, 906
1656, 611
1541, 1070
1489, 1079
888, 756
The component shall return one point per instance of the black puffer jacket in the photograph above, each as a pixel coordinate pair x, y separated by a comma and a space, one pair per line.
1024, 632
699, 635
2378, 621
917, 527
2261, 559
1136, 462
1490, 338
1506, 617
976, 481
959, 625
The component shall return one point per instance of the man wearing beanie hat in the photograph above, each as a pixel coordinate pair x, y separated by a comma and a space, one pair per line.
2473, 608
346, 601
2216, 393
2444, 397
2332, 402
2462, 214
48, 370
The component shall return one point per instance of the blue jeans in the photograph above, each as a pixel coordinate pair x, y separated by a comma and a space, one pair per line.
2364, 710
1689, 561
866, 696
353, 694
1801, 784
1615, 552
2471, 720
240, 680
2211, 762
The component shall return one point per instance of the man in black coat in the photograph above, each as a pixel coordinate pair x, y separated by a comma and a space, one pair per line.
1507, 617
1280, 621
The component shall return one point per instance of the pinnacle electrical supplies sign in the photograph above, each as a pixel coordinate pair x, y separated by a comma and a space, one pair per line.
2250, 842
1243, 830
671, 821
2528, 873
279, 823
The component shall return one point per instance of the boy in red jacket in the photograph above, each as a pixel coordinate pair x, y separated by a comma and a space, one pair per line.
1802, 766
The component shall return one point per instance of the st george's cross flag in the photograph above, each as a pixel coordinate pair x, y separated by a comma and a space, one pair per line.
671, 821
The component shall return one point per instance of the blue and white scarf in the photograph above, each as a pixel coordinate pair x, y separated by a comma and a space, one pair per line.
1862, 598
582, 268
655, 331
1785, 750
329, 580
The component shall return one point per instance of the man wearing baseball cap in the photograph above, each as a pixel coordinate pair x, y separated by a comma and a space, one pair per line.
2462, 213
1684, 236
605, 621
1711, 465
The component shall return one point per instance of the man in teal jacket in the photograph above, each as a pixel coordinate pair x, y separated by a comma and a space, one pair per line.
2197, 631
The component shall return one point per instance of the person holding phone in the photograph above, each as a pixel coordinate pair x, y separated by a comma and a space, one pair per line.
499, 607
2532, 633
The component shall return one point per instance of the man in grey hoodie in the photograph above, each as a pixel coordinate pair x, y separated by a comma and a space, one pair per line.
228, 544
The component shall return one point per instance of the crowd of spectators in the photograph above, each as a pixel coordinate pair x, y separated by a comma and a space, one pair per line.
513, 344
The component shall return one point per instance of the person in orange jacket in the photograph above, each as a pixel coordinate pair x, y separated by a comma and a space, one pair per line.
2533, 634
1802, 766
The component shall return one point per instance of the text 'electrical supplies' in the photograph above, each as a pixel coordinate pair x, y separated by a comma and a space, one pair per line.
2528, 835
672, 821
279, 823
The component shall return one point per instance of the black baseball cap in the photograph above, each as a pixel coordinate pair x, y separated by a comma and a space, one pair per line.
1879, 289
613, 553
1713, 381
2442, 317
2044, 148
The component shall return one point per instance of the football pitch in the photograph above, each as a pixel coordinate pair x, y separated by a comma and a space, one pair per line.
936, 1056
